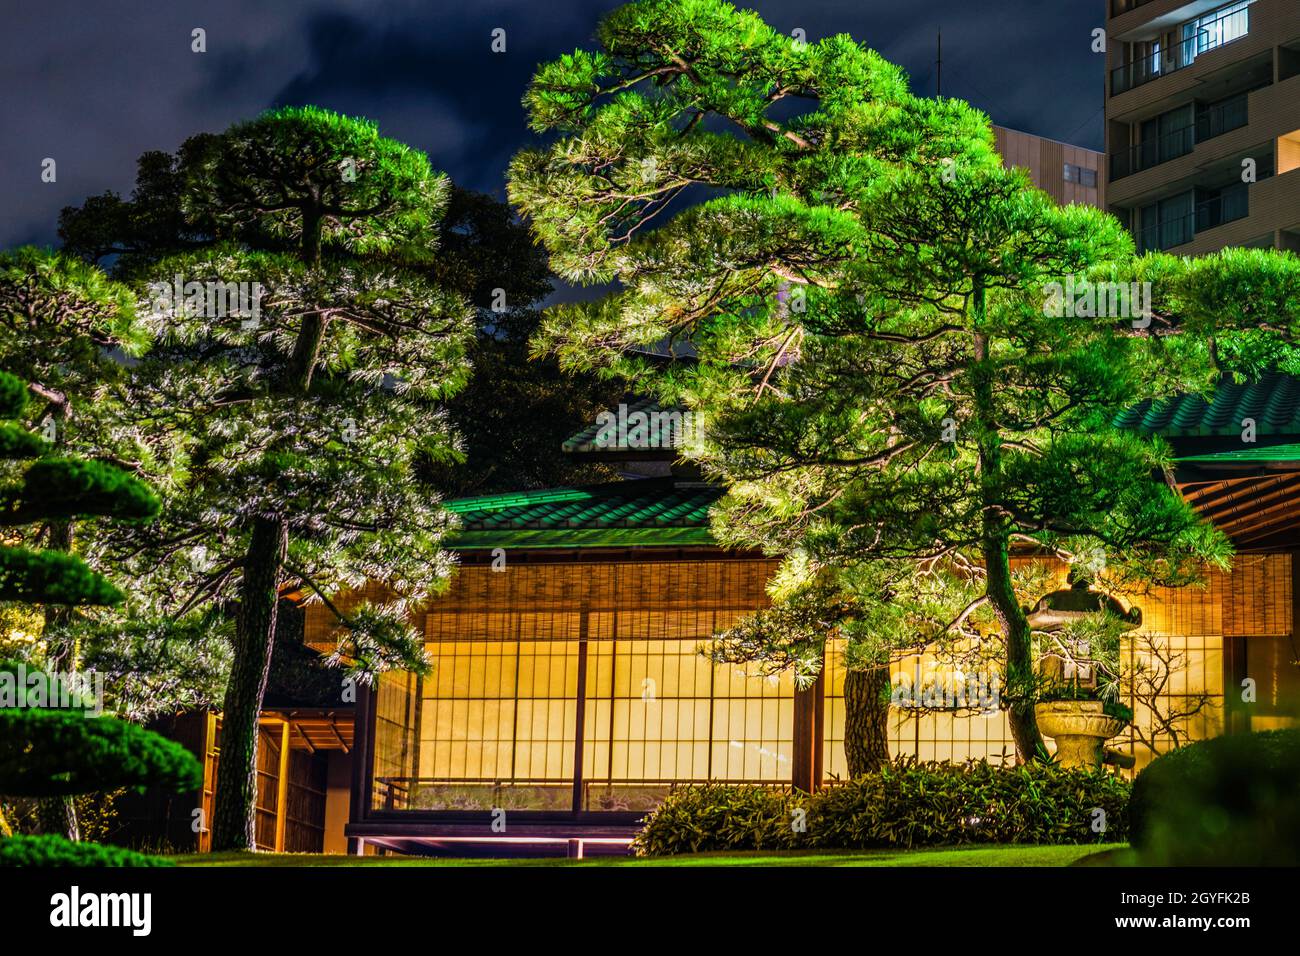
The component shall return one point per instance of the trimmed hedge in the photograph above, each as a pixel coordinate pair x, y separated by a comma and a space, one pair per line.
1227, 801
905, 804
46, 753
56, 851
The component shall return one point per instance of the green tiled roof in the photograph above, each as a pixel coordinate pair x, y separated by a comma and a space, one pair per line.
657, 418
1273, 402
649, 512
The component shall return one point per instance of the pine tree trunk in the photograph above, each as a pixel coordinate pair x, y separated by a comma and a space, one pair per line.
1020, 661
866, 720
306, 349
236, 794
995, 546
59, 815
62, 653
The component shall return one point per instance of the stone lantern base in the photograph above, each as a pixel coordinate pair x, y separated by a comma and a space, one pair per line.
1080, 729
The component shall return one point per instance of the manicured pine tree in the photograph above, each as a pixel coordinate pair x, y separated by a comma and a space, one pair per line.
304, 409
883, 387
45, 751
65, 329
516, 410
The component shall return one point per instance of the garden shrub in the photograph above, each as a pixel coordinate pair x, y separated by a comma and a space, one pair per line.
904, 804
721, 817
50, 850
942, 804
1228, 801
53, 752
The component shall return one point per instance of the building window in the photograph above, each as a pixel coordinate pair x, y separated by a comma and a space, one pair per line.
1176, 220
1288, 152
1081, 175
1168, 223
1168, 136
516, 695
1176, 132
1216, 28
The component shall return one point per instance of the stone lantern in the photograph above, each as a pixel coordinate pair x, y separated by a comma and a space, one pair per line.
1079, 727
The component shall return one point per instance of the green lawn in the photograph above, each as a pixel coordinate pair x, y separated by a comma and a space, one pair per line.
940, 856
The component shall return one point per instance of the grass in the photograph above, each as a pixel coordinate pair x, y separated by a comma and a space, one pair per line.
981, 856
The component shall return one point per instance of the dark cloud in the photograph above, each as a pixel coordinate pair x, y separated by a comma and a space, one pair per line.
93, 87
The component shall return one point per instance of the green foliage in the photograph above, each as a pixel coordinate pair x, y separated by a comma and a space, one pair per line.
948, 804
53, 753
1227, 801
902, 805
13, 396
721, 817
52, 577
516, 410
60, 487
57, 315
39, 689
1241, 304
50, 850
138, 230
864, 291
154, 665
365, 193
319, 412
52, 488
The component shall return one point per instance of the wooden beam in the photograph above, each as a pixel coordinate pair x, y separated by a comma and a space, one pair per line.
1249, 499
305, 739
334, 728
363, 737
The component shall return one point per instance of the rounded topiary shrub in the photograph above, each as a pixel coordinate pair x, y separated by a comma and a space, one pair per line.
1228, 801
55, 851
54, 752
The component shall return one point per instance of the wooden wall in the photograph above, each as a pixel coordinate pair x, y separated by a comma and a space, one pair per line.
1045, 161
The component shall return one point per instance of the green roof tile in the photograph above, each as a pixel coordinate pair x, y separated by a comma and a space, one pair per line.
1273, 402
670, 421
652, 511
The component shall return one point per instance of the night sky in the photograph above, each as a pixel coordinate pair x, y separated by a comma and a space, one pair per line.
94, 83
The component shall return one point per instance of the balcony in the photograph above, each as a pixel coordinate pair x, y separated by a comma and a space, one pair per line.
1232, 204
1210, 35
1118, 7
1215, 121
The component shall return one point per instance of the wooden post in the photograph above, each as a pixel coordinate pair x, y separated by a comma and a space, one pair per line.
209, 787
362, 747
819, 728
282, 789
580, 730
806, 752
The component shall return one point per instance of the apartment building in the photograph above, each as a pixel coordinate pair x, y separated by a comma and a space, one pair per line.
1203, 123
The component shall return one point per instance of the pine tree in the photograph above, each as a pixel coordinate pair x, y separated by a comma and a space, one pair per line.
304, 362
48, 750
864, 291
64, 329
